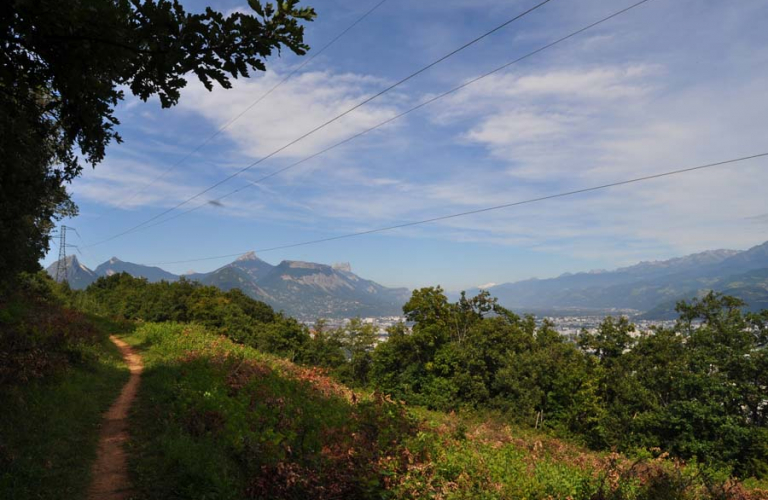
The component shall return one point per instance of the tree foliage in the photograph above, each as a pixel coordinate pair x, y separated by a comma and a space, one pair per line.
697, 390
65, 66
231, 313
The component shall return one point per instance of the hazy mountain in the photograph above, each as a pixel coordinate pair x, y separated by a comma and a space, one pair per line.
308, 290
78, 275
754, 258
117, 266
642, 287
693, 262
302, 289
587, 289
229, 277
251, 265
751, 287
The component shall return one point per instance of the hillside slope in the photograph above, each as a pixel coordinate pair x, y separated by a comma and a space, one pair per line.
642, 287
751, 287
116, 266
58, 374
228, 278
218, 420
308, 290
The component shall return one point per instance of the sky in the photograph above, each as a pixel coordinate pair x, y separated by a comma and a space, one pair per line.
668, 85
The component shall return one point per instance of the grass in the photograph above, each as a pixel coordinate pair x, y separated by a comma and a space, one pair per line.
218, 420
49, 426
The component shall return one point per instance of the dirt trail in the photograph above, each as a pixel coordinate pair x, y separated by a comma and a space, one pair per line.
110, 471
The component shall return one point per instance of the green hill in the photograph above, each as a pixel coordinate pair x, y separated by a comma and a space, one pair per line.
219, 420
237, 401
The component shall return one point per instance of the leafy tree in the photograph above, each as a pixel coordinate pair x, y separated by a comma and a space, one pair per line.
721, 409
697, 390
612, 338
283, 336
358, 340
399, 365
63, 69
325, 347
428, 307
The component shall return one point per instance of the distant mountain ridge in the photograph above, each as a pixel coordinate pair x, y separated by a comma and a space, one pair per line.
329, 291
117, 266
651, 287
78, 275
305, 290
308, 290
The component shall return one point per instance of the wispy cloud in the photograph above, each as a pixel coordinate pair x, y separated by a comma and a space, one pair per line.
122, 182
670, 86
294, 109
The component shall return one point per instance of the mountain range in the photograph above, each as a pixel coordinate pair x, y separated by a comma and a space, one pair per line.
651, 288
305, 290
308, 290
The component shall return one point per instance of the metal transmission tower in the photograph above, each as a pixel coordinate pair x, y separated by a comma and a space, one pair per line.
61, 264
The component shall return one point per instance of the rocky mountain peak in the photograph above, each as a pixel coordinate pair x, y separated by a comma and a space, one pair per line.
298, 264
78, 275
247, 257
343, 266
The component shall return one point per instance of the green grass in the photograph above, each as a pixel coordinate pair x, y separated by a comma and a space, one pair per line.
49, 428
167, 461
218, 420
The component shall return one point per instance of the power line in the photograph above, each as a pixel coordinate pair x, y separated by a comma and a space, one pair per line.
244, 111
390, 120
335, 118
483, 210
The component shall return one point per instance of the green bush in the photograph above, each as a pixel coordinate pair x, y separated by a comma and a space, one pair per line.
696, 390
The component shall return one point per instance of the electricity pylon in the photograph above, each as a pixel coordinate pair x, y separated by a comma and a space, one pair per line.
61, 265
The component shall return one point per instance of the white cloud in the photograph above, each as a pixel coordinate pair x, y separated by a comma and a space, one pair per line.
304, 102
601, 110
121, 182
554, 131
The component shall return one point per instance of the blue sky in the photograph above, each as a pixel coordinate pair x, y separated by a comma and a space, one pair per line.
671, 84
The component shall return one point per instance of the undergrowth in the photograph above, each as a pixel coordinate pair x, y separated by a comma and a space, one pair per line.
59, 372
216, 419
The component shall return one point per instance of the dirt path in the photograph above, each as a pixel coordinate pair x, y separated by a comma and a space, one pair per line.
110, 471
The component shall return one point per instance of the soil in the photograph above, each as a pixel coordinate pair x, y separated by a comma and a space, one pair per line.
110, 471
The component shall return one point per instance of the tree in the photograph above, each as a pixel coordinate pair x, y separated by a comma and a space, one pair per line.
612, 338
358, 340
325, 347
427, 307
63, 69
